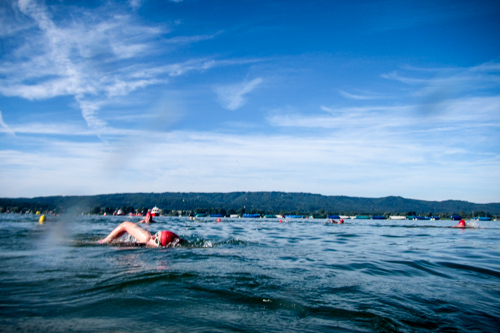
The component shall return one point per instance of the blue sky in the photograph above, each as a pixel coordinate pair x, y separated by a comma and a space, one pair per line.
357, 98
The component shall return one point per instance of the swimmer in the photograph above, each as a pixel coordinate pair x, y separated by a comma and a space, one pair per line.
338, 222
148, 219
160, 239
461, 224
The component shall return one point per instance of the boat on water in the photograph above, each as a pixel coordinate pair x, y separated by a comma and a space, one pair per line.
216, 215
334, 217
251, 215
435, 218
234, 216
119, 213
379, 217
155, 211
362, 217
345, 217
294, 216
455, 217
483, 218
397, 217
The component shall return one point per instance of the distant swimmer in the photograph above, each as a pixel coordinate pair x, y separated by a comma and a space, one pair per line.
148, 219
460, 224
337, 222
160, 239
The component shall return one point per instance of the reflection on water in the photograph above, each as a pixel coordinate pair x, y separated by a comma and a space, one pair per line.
250, 275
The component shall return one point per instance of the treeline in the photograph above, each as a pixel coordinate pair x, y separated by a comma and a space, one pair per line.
247, 203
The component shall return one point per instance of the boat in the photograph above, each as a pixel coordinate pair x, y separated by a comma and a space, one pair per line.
483, 218
294, 216
155, 211
119, 212
455, 217
234, 216
435, 218
267, 216
216, 215
343, 217
397, 217
379, 217
362, 217
333, 216
251, 215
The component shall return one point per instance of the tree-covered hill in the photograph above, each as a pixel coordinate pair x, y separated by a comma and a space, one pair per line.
249, 202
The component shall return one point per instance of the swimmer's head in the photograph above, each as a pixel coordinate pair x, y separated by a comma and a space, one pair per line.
461, 223
165, 238
148, 214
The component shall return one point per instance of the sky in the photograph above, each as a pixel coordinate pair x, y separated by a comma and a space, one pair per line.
356, 98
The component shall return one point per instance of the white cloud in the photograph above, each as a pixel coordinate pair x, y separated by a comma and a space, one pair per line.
88, 57
135, 4
464, 116
362, 96
232, 96
191, 39
4, 127
328, 164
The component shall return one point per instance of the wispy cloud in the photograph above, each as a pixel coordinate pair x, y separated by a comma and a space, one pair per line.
4, 127
88, 57
454, 115
136, 3
342, 164
232, 96
192, 39
360, 96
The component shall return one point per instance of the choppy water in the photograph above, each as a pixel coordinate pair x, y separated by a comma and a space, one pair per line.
250, 275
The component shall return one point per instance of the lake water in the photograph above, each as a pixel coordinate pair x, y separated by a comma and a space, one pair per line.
250, 275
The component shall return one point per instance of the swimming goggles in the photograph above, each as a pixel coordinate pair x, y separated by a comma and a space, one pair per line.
158, 238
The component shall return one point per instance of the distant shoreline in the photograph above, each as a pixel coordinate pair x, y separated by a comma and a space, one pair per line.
263, 203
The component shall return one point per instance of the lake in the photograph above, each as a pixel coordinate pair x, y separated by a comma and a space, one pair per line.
250, 275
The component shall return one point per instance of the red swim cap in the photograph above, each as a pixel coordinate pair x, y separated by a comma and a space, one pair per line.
165, 237
461, 223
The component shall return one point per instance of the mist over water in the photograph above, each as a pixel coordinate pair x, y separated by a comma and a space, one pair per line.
250, 275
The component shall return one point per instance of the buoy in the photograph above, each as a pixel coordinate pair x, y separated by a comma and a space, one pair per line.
281, 221
38, 212
218, 220
41, 219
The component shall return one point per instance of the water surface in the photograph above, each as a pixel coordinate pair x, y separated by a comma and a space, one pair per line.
250, 275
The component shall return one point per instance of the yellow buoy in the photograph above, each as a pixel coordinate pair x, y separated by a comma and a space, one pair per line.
38, 212
42, 219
